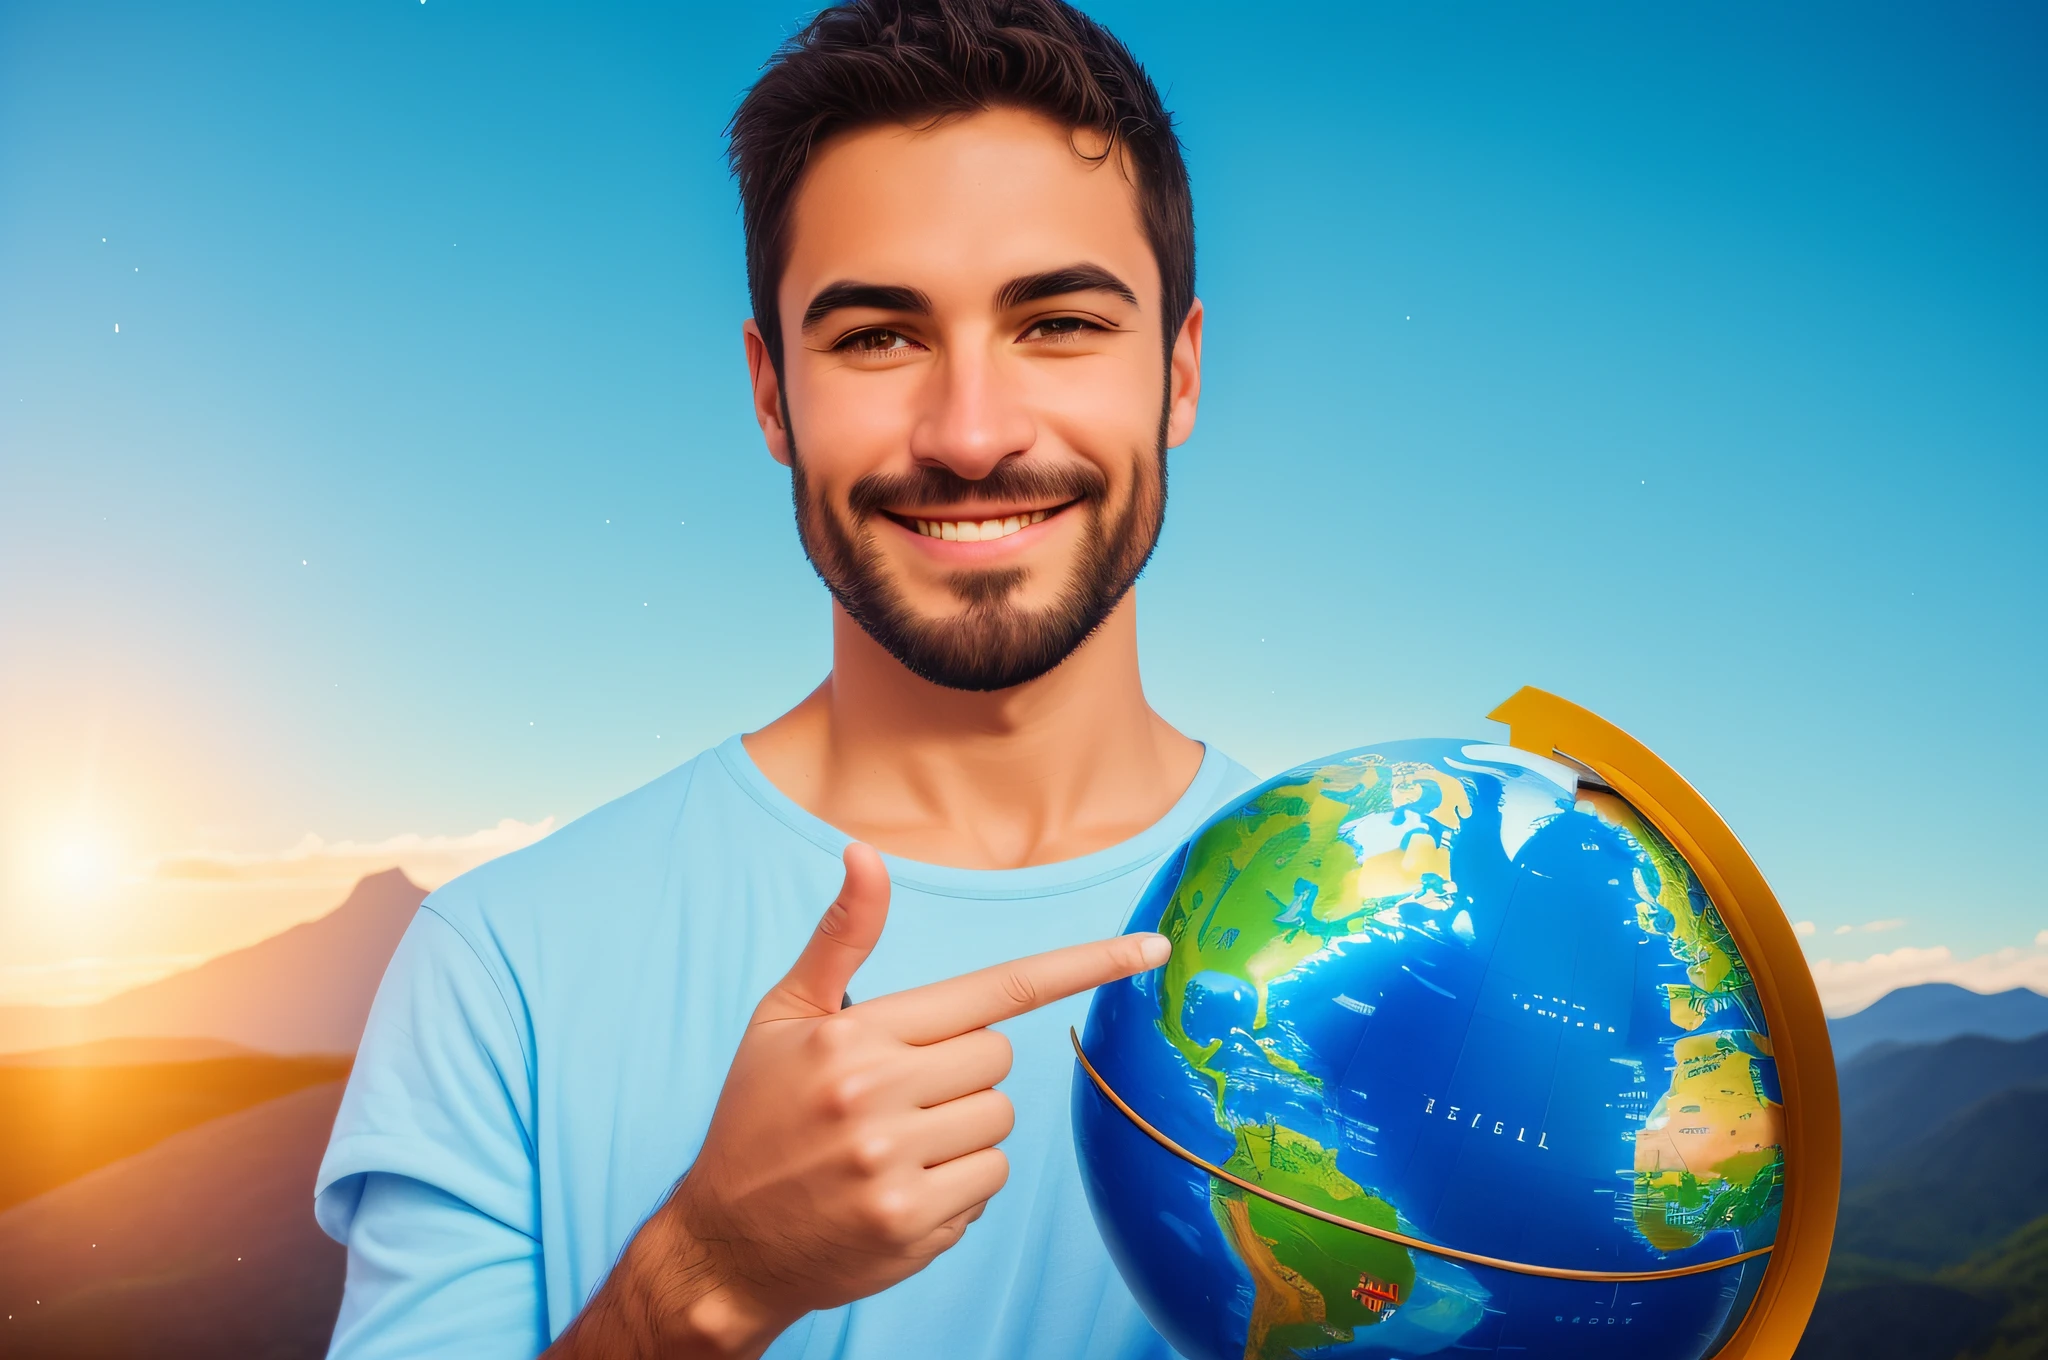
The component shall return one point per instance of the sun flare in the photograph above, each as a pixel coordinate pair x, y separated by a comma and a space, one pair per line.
83, 865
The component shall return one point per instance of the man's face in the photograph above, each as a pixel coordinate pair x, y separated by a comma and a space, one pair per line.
975, 401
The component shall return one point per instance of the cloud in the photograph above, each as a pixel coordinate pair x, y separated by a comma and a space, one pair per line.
1802, 927
1850, 985
428, 860
1868, 927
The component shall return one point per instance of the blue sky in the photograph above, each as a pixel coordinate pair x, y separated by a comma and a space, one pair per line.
1689, 362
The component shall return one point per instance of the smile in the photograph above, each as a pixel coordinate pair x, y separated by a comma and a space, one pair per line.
976, 530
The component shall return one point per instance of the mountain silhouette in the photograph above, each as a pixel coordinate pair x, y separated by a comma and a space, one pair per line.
1895, 1093
1934, 1011
307, 990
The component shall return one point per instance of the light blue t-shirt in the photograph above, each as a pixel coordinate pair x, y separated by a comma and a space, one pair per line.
551, 1035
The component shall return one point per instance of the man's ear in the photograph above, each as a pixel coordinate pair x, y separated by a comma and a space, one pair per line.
1183, 378
767, 385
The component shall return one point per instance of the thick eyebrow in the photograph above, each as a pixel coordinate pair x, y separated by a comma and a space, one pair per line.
1075, 278
884, 297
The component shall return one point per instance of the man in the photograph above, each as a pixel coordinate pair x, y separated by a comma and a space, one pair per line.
614, 1098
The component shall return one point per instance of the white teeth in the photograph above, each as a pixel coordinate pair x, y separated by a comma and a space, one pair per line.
977, 531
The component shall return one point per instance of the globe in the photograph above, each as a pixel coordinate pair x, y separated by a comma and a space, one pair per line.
1452, 1054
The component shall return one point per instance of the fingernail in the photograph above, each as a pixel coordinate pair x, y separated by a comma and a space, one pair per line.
1154, 949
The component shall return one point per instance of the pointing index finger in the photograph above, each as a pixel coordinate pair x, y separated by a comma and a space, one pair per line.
960, 1005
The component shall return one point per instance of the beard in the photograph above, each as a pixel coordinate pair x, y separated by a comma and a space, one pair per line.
993, 642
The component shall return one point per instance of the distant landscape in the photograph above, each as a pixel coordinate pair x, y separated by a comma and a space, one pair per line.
1941, 1251
159, 1148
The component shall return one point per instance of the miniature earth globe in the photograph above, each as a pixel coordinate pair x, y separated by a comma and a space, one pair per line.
1452, 1055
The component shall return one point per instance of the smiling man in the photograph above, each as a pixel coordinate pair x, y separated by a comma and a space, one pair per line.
617, 1096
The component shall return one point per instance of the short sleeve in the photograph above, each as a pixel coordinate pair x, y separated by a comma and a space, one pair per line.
429, 1178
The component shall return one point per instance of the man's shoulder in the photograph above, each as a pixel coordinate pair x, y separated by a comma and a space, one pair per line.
614, 858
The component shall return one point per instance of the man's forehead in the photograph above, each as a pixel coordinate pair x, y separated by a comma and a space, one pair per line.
968, 203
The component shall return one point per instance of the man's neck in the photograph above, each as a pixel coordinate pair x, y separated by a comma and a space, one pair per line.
1070, 763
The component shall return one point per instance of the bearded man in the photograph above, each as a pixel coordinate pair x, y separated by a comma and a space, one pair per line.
625, 1093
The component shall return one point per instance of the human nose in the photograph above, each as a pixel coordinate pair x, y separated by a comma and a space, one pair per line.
975, 417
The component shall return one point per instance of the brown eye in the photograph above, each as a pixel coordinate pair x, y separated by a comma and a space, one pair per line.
876, 340
1058, 328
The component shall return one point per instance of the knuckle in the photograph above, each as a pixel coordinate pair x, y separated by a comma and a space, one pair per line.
1002, 1052
844, 1094
1020, 987
872, 1154
1004, 1116
837, 1033
887, 1216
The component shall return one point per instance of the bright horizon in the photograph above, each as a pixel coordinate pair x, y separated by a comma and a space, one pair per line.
1684, 364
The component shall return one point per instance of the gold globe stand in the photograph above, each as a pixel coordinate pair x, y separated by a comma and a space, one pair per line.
1543, 724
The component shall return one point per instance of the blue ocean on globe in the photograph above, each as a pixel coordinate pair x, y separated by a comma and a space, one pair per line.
1462, 994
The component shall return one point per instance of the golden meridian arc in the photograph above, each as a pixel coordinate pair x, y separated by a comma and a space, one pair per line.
1385, 1234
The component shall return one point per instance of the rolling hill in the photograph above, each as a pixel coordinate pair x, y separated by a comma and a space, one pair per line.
63, 1120
1957, 1190
125, 1052
204, 1245
307, 990
1895, 1093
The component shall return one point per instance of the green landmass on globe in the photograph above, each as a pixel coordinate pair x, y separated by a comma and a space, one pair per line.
1303, 1269
1262, 893
1275, 885
1710, 1154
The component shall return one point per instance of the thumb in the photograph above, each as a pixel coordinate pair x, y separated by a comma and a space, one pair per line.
846, 935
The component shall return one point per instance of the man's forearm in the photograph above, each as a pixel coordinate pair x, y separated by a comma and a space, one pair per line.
665, 1298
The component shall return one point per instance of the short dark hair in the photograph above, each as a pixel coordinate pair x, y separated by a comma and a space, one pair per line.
909, 61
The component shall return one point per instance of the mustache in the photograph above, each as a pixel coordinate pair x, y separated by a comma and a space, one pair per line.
1009, 480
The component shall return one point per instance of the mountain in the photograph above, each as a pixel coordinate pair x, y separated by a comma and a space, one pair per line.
1895, 1093
1934, 1011
307, 990
202, 1246
1941, 1249
1954, 1191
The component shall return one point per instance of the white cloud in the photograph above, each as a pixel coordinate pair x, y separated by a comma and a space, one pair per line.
428, 860
1802, 927
1868, 927
1849, 985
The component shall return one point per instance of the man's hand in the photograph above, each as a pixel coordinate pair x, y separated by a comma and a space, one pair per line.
849, 1146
